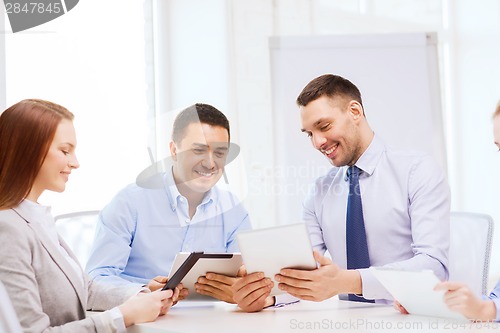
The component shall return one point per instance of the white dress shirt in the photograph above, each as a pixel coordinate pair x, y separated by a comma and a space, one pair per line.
406, 210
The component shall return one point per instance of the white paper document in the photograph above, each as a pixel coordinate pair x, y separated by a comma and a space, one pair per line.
415, 291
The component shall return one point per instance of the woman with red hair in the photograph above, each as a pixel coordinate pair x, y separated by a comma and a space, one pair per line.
47, 286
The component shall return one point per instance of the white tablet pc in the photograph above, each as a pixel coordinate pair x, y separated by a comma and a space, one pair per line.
415, 291
271, 249
221, 263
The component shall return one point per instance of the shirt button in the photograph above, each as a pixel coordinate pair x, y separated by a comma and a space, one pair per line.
188, 220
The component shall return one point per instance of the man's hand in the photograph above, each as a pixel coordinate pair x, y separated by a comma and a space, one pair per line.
252, 292
159, 281
217, 286
458, 297
322, 283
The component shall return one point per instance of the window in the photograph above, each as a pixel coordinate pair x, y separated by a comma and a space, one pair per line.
93, 61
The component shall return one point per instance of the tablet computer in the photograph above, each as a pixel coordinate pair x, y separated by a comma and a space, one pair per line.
182, 270
415, 291
269, 250
221, 263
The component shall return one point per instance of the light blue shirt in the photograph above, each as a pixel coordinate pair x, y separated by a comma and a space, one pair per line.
406, 210
141, 230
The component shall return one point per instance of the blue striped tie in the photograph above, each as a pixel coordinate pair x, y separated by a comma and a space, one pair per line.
357, 247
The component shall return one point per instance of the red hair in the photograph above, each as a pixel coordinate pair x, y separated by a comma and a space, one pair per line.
27, 129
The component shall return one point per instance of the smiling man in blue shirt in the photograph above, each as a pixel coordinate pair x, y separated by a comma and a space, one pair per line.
142, 229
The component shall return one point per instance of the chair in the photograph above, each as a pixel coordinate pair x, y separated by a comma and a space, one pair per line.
78, 229
470, 248
8, 318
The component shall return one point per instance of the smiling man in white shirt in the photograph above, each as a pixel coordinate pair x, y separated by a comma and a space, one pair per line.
403, 200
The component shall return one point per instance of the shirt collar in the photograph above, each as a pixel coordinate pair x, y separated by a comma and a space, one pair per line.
369, 159
175, 196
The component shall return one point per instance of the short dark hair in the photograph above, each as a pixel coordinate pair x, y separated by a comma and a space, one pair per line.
328, 85
198, 113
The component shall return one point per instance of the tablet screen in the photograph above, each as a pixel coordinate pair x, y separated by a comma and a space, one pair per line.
271, 249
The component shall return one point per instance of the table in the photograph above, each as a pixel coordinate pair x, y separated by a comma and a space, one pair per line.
329, 316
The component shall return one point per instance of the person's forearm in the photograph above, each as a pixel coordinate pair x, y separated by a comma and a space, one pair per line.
351, 279
488, 311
